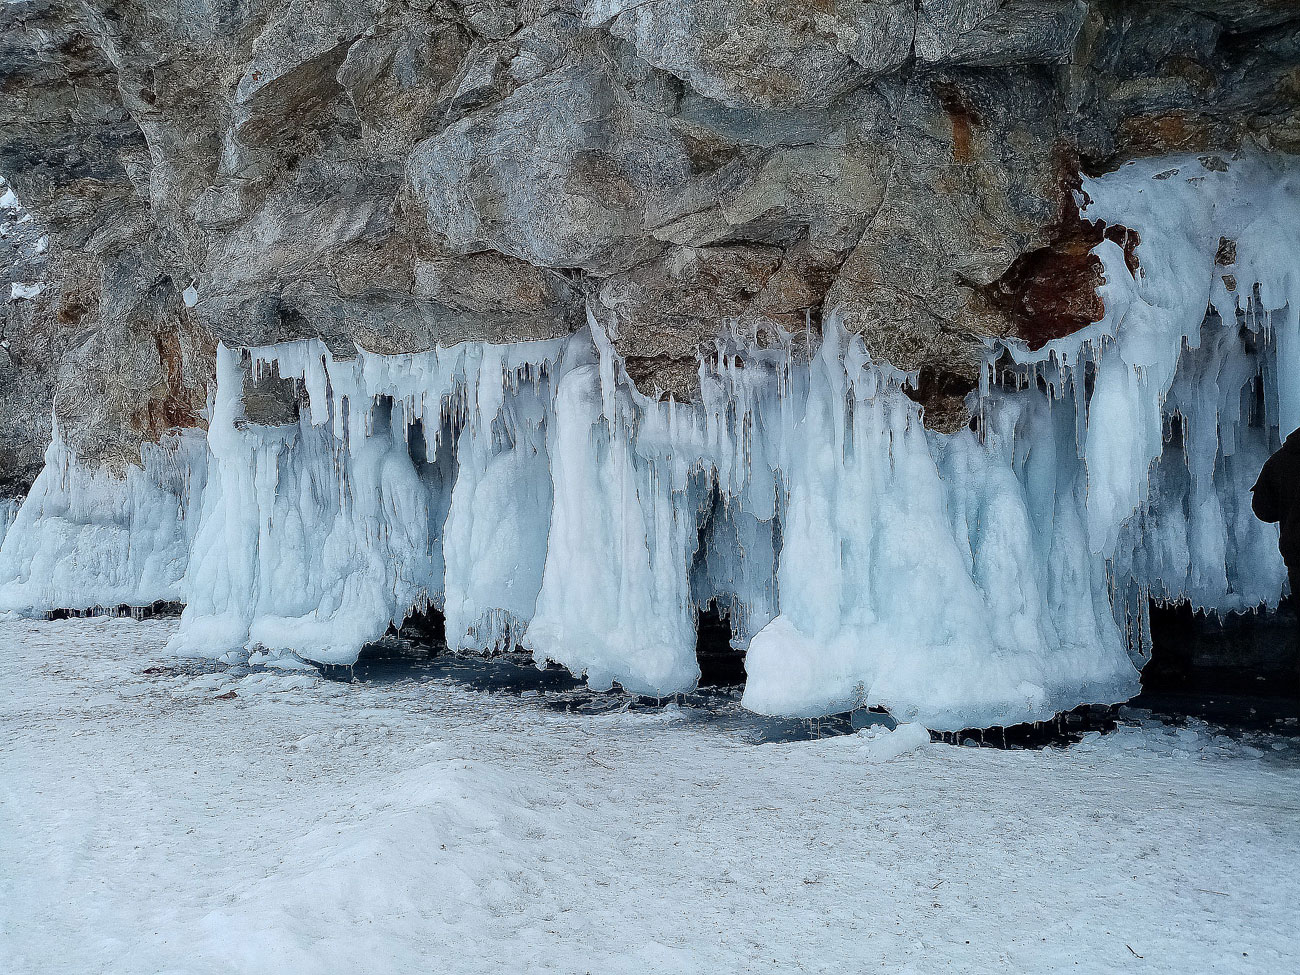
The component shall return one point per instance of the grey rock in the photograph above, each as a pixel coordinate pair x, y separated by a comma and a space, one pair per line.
998, 33
399, 175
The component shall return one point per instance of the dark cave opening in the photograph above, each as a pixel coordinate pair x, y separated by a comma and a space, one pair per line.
1235, 668
423, 626
161, 609
721, 664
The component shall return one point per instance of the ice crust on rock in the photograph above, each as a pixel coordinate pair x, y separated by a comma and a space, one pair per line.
531, 493
19, 291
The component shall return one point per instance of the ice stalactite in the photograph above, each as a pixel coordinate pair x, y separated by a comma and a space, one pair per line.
941, 577
495, 539
1195, 537
1194, 375
534, 495
985, 577
86, 539
314, 536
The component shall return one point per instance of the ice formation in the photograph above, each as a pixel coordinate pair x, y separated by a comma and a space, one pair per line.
86, 539
8, 509
533, 495
19, 292
1195, 376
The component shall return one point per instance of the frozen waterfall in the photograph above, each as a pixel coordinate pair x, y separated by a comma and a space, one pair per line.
991, 576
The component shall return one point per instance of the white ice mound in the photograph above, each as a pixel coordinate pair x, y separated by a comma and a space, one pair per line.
881, 744
531, 493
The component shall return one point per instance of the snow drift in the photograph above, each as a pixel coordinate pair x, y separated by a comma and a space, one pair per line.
532, 494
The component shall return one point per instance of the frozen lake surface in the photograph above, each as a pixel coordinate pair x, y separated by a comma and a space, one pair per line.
162, 815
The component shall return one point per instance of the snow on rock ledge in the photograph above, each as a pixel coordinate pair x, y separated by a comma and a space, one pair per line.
529, 491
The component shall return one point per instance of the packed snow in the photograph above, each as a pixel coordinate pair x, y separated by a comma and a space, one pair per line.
163, 816
992, 576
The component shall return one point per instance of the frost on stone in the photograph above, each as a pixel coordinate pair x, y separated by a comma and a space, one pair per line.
529, 492
19, 291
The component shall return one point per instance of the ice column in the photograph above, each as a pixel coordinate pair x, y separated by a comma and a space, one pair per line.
917, 570
495, 540
615, 596
313, 536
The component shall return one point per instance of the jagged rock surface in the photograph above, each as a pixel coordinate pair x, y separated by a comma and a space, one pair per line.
400, 174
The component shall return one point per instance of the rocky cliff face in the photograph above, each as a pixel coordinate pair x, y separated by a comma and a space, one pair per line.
396, 175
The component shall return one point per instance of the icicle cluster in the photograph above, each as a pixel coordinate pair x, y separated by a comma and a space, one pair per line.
1190, 380
535, 497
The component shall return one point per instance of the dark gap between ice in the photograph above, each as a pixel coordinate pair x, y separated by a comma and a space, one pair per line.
722, 665
162, 609
1195, 672
1241, 670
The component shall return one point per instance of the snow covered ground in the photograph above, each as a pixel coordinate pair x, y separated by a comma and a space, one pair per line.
157, 816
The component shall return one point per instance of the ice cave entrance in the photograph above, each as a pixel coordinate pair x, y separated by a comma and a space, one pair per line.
722, 664
1242, 669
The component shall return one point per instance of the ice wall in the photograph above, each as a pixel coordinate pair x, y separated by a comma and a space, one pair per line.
538, 499
531, 493
85, 539
314, 536
1194, 537
945, 578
